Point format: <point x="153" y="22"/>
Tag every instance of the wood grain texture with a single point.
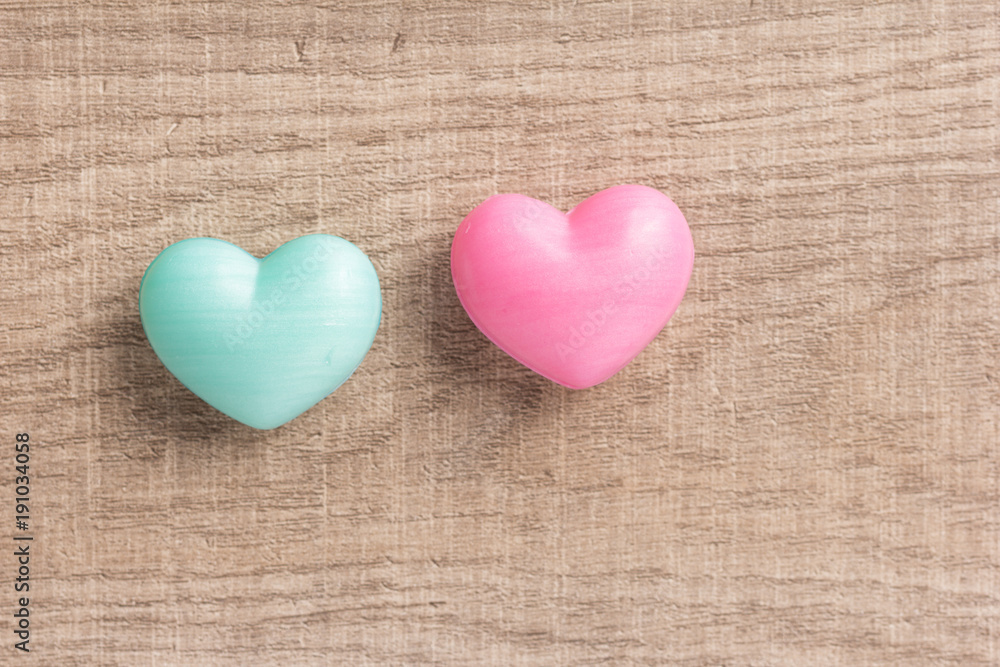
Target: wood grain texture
<point x="802" y="469"/>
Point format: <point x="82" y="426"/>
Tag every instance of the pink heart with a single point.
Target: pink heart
<point x="573" y="296"/>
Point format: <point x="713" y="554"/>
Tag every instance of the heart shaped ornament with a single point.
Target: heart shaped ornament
<point x="573" y="296"/>
<point x="261" y="340"/>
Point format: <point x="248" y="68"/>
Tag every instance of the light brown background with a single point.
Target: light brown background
<point x="802" y="469"/>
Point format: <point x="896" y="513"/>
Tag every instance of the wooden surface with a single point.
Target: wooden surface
<point x="802" y="469"/>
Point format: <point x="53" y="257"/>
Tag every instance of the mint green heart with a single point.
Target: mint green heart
<point x="261" y="340"/>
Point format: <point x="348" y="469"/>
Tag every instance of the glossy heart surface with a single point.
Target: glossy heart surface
<point x="573" y="296"/>
<point x="261" y="340"/>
